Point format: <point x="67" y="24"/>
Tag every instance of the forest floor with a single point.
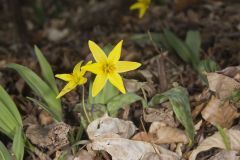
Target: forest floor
<point x="62" y="31"/>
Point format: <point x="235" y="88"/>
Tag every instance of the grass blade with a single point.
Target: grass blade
<point x="40" y="88"/>
<point x="193" y="41"/>
<point x="46" y="69"/>
<point x="224" y="137"/>
<point x="4" y="154"/>
<point x="18" y="144"/>
<point x="8" y="102"/>
<point x="178" y="45"/>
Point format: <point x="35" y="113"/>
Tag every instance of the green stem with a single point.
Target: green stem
<point x="84" y="107"/>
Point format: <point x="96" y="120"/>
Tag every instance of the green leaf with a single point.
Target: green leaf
<point x="178" y="98"/>
<point x="7" y="121"/>
<point x="121" y="101"/>
<point x="46" y="69"/>
<point x="179" y="46"/>
<point x="45" y="107"/>
<point x="206" y="66"/>
<point x="158" y="38"/>
<point x="4" y="154"/>
<point x="193" y="41"/>
<point x="18" y="144"/>
<point x="40" y="88"/>
<point x="105" y="95"/>
<point x="8" y="102"/>
<point x="10" y="117"/>
<point x="224" y="137"/>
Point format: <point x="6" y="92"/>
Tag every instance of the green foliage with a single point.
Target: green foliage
<point x="224" y="137"/>
<point x="235" y="96"/>
<point x="188" y="51"/>
<point x="18" y="144"/>
<point x="46" y="69"/>
<point x="17" y="148"/>
<point x="206" y="66"/>
<point x="10" y="117"/>
<point x="121" y="101"/>
<point x="4" y="154"/>
<point x="179" y="46"/>
<point x="46" y="88"/>
<point x="178" y="97"/>
<point x="105" y="95"/>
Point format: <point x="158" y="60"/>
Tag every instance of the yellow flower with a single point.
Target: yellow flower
<point x="108" y="68"/>
<point x="142" y="5"/>
<point x="73" y="79"/>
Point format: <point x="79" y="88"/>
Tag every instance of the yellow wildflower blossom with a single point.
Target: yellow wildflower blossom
<point x="142" y="5"/>
<point x="73" y="79"/>
<point x="108" y="68"/>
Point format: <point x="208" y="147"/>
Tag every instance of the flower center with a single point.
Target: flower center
<point x="108" y="68"/>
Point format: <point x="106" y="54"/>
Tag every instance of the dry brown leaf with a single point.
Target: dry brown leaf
<point x="215" y="112"/>
<point x="51" y="136"/>
<point x="110" y="127"/>
<point x="232" y="71"/>
<point x="124" y="149"/>
<point x="84" y="155"/>
<point x="159" y="133"/>
<point x="163" y="114"/>
<point x="222" y="155"/>
<point x="143" y="136"/>
<point x="222" y="85"/>
<point x="165" y="134"/>
<point x="216" y="141"/>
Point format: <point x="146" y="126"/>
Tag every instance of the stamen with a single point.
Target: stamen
<point x="108" y="68"/>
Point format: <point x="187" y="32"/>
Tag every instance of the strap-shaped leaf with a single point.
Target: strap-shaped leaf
<point x="18" y="144"/>
<point x="45" y="107"/>
<point x="121" y="101"/>
<point x="178" y="45"/>
<point x="193" y="41"/>
<point x="178" y="98"/>
<point x="4" y="154"/>
<point x="7" y="121"/>
<point x="10" y="105"/>
<point x="40" y="88"/>
<point x="46" y="69"/>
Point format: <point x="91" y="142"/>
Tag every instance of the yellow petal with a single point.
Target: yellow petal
<point x="82" y="81"/>
<point x="137" y="5"/>
<point x="95" y="68"/>
<point x="98" y="84"/>
<point x="65" y="77"/>
<point x="77" y="69"/>
<point x="71" y="85"/>
<point x="115" y="54"/>
<point x="117" y="81"/>
<point x="125" y="66"/>
<point x="142" y="12"/>
<point x="84" y="71"/>
<point x="97" y="52"/>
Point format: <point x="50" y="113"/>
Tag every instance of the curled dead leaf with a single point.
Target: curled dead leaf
<point x="110" y="127"/>
<point x="231" y="155"/>
<point x="215" y="112"/>
<point x="166" y="134"/>
<point x="51" y="136"/>
<point x="232" y="71"/>
<point x="159" y="133"/>
<point x="163" y="114"/>
<point x="216" y="141"/>
<point x="124" y="149"/>
<point x="222" y="85"/>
